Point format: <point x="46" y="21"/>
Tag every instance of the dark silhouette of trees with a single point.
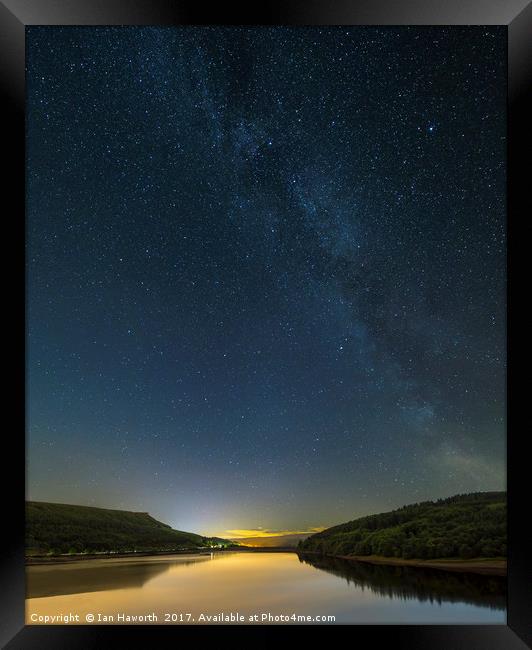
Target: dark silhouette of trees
<point x="465" y="526"/>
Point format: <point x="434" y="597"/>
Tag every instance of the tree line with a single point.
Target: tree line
<point x="465" y="526"/>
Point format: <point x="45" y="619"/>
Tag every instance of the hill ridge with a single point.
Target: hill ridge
<point x="465" y="525"/>
<point x="58" y="528"/>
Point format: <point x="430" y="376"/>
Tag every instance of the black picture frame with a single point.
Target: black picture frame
<point x="15" y="15"/>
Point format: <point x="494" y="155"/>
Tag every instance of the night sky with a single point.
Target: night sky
<point x="266" y="270"/>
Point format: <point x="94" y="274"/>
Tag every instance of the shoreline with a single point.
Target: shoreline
<point x="36" y="560"/>
<point x="496" y="567"/>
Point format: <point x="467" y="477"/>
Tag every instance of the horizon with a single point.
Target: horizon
<point x="266" y="271"/>
<point x="253" y="537"/>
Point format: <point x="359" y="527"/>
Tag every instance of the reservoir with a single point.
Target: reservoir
<point x="256" y="588"/>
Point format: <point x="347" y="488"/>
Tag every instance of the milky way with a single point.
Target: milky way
<point x="266" y="270"/>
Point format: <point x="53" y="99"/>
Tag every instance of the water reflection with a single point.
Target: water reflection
<point x="408" y="583"/>
<point x="253" y="584"/>
<point x="98" y="575"/>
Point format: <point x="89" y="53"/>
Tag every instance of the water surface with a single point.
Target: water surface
<point x="181" y="589"/>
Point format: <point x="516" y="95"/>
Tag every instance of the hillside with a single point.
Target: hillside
<point x="464" y="526"/>
<point x="57" y="528"/>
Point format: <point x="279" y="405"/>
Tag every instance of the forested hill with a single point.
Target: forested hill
<point x="60" y="528"/>
<point x="464" y="526"/>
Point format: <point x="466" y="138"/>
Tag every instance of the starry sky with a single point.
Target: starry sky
<point x="266" y="270"/>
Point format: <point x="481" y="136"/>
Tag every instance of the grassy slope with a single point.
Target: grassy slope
<point x="464" y="526"/>
<point x="62" y="528"/>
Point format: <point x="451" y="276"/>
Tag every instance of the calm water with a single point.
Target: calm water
<point x="179" y="589"/>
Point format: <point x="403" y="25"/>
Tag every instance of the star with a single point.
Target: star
<point x="240" y="242"/>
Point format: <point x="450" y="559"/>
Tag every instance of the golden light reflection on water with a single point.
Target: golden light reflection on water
<point x="179" y="589"/>
<point x="233" y="582"/>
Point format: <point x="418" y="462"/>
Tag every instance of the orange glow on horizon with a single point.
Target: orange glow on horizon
<point x="244" y="533"/>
